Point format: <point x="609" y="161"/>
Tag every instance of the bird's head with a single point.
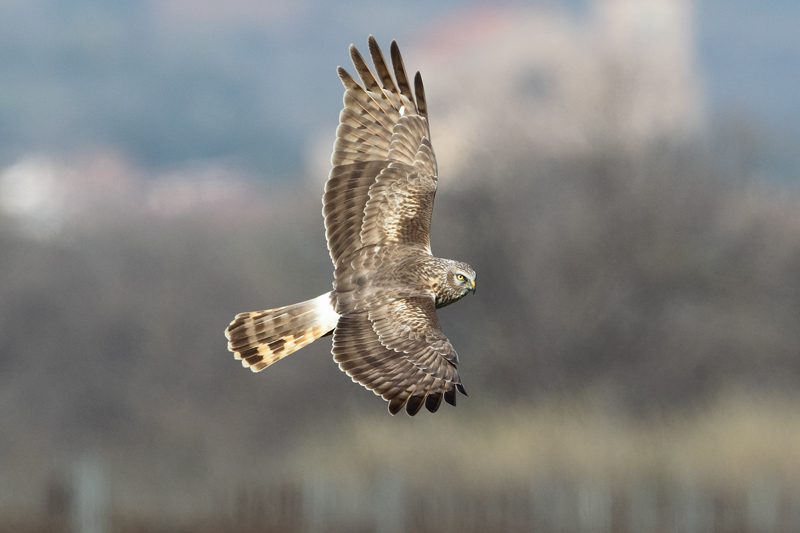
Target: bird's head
<point x="459" y="280"/>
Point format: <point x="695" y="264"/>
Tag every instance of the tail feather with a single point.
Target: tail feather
<point x="261" y="338"/>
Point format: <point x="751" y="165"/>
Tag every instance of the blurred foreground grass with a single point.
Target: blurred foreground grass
<point x="724" y="443"/>
<point x="570" y="464"/>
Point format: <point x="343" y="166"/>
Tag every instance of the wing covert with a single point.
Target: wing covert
<point x="397" y="350"/>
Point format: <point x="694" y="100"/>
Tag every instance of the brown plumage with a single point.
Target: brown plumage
<point x="387" y="286"/>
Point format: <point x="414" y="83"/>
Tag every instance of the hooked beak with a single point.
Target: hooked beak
<point x="473" y="287"/>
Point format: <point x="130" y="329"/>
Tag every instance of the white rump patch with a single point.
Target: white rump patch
<point x="325" y="311"/>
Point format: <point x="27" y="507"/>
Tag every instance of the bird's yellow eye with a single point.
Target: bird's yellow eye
<point x="460" y="277"/>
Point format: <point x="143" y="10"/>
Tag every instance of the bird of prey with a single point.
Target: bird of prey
<point x="387" y="285"/>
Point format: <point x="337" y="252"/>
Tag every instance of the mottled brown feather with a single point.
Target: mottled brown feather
<point x="399" y="208"/>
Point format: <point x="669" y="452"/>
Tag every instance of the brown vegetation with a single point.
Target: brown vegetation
<point x="645" y="282"/>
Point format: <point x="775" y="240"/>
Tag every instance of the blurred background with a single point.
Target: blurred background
<point x="624" y="175"/>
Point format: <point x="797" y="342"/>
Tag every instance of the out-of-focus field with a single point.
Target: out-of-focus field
<point x="631" y="358"/>
<point x="580" y="465"/>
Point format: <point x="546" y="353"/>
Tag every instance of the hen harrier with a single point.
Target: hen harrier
<point x="387" y="286"/>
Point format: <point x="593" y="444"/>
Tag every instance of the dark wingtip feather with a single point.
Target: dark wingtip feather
<point x="419" y="91"/>
<point x="461" y="389"/>
<point x="400" y="72"/>
<point x="433" y="401"/>
<point x="450" y="396"/>
<point x="414" y="404"/>
<point x="395" y="405"/>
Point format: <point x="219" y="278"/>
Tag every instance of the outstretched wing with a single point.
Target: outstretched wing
<point x="396" y="349"/>
<point x="381" y="188"/>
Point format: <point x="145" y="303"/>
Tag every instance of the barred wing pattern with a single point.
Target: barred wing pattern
<point x="410" y="368"/>
<point x="378" y="204"/>
<point x="381" y="188"/>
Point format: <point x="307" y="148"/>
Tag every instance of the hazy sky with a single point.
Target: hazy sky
<point x="174" y="80"/>
<point x="750" y="52"/>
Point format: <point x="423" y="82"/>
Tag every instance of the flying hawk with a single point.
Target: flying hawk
<point x="387" y="285"/>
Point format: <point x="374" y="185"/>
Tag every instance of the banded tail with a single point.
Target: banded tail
<point x="261" y="338"/>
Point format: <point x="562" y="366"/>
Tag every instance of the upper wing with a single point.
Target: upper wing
<point x="382" y="185"/>
<point x="396" y="349"/>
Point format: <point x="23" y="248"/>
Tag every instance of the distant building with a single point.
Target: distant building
<point x="623" y="72"/>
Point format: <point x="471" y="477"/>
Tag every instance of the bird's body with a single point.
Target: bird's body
<point x="387" y="285"/>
